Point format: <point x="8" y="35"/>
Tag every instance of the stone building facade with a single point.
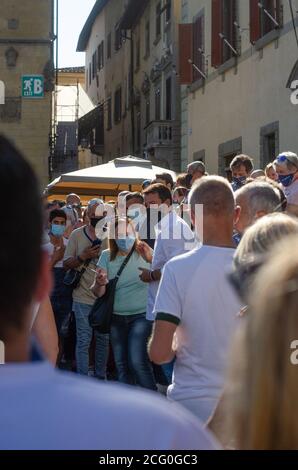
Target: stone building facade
<point x="26" y="48"/>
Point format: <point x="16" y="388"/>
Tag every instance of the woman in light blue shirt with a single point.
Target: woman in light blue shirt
<point x="130" y="331"/>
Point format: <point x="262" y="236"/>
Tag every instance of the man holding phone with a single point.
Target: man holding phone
<point x="82" y="253"/>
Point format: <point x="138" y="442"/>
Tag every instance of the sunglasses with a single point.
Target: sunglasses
<point x="283" y="159"/>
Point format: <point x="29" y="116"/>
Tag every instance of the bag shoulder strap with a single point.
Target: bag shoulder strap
<point x="124" y="264"/>
<point x="86" y="234"/>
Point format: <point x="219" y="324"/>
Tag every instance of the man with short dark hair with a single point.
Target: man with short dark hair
<point x="196" y="304"/>
<point x="41" y="408"/>
<point x="61" y="298"/>
<point x="166" y="179"/>
<point x="241" y="167"/>
<point x="196" y="170"/>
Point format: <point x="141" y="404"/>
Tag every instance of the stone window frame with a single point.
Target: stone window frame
<point x="268" y="129"/>
<point x="227" y="148"/>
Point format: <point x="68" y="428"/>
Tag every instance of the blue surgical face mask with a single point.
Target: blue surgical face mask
<point x="57" y="230"/>
<point x="240" y="180"/>
<point x="125" y="244"/>
<point x="286" y="180"/>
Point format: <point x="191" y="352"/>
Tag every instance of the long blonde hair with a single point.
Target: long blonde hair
<point x="262" y="388"/>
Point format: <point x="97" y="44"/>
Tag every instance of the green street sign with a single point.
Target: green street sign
<point x="32" y="86"/>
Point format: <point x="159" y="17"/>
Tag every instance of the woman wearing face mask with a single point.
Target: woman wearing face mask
<point x="130" y="330"/>
<point x="287" y="169"/>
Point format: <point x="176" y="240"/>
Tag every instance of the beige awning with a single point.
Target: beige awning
<point x="106" y="181"/>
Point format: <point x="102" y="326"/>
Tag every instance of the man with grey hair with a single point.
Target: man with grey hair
<point x="256" y="199"/>
<point x="196" y="305"/>
<point x="196" y="170"/>
<point x="82" y="254"/>
<point x="286" y="166"/>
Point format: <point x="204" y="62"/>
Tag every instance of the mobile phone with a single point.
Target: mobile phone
<point x="96" y="243"/>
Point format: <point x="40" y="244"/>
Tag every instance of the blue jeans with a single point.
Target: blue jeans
<point x="129" y="338"/>
<point x="84" y="337"/>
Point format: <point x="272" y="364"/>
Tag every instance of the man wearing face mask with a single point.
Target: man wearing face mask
<point x="61" y="298"/>
<point x="82" y="253"/>
<point x="241" y="168"/>
<point x="287" y="169"/>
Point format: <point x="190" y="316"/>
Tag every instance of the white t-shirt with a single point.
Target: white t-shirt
<point x="196" y="291"/>
<point x="43" y="409"/>
<point x="49" y="247"/>
<point x="173" y="237"/>
<point x="291" y="193"/>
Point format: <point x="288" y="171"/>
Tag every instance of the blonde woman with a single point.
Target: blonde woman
<point x="270" y="172"/>
<point x="130" y="330"/>
<point x="263" y="383"/>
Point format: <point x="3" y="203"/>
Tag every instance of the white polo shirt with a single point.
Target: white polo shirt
<point x="196" y="294"/>
<point x="44" y="409"/>
<point x="173" y="237"/>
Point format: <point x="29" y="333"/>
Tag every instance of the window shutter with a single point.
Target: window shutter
<point x="217" y="28"/>
<point x="185" y="53"/>
<point x="255" y="21"/>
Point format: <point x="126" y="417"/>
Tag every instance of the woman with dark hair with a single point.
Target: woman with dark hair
<point x="130" y="330"/>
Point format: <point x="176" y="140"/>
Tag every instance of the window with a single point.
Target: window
<point x="229" y="29"/>
<point x="269" y="143"/>
<point x="118" y="39"/>
<point x="138" y="131"/>
<point x="93" y="65"/>
<point x="109" y="46"/>
<point x="158" y="21"/>
<point x="260" y="21"/>
<point x="198" y="48"/>
<point x="224" y="31"/>
<point x="157" y="104"/>
<point x="271" y="148"/>
<point x="100" y="56"/>
<point x="138" y="53"/>
<point x="109" y="113"/>
<point x="169" y="99"/>
<point x="147" y="39"/>
<point x="118" y="105"/>
<point x="147" y="105"/>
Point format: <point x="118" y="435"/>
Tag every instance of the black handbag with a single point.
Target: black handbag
<point x="100" y="316"/>
<point x="73" y="277"/>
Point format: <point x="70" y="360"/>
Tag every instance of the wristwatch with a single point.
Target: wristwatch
<point x="80" y="259"/>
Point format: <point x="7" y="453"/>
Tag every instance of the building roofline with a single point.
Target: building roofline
<point x="86" y="31"/>
<point x="133" y="11"/>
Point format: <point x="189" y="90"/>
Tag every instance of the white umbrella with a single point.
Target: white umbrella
<point x="127" y="173"/>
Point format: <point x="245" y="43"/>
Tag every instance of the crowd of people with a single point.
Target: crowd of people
<point x="204" y="311"/>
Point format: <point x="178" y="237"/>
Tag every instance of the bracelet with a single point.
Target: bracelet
<point x="151" y="276"/>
